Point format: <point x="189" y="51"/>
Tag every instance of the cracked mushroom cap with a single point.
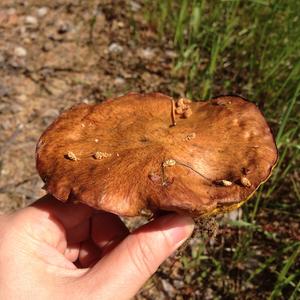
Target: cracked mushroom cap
<point x="146" y="152"/>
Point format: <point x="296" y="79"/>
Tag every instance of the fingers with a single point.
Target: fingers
<point x="69" y="214"/>
<point x="79" y="233"/>
<point x="128" y="266"/>
<point x="75" y="230"/>
<point x="51" y="221"/>
<point x="72" y="252"/>
<point x="106" y="232"/>
<point x="89" y="254"/>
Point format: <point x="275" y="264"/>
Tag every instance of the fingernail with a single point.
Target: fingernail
<point x="178" y="228"/>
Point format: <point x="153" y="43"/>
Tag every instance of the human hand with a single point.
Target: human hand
<point x="52" y="250"/>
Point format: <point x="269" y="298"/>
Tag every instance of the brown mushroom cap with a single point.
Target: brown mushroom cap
<point x="126" y="155"/>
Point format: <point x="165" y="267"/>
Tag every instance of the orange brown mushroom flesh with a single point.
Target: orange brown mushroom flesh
<point x="146" y="152"/>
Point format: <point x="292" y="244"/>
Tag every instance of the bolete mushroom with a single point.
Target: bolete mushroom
<point x="147" y="152"/>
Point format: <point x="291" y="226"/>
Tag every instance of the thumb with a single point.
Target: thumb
<point x="122" y="272"/>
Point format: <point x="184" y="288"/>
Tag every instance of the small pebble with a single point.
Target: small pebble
<point x="63" y="27"/>
<point x="47" y="46"/>
<point x="135" y="6"/>
<point x="31" y="21"/>
<point x="42" y="11"/>
<point x="178" y="284"/>
<point x="147" y="53"/>
<point x="168" y="288"/>
<point x="20" y="52"/>
<point x="119" y="81"/>
<point x="115" y="48"/>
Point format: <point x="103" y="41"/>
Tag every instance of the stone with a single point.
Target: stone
<point x="119" y="81"/>
<point x="115" y="48"/>
<point x="147" y="53"/>
<point x="31" y="21"/>
<point x="42" y="11"/>
<point x="168" y="288"/>
<point x="47" y="46"/>
<point x="63" y="27"/>
<point x="20" y="51"/>
<point x="178" y="284"/>
<point x="135" y="6"/>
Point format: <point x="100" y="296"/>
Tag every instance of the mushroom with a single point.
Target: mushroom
<point x="146" y="152"/>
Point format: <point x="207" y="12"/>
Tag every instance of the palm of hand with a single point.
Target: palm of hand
<point x="53" y="250"/>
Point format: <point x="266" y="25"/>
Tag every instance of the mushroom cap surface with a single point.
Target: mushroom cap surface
<point x="127" y="156"/>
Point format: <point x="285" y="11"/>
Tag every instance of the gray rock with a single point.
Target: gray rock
<point x="115" y="48"/>
<point x="135" y="6"/>
<point x="168" y="288"/>
<point x="178" y="284"/>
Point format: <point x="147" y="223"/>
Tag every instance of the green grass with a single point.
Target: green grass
<point x="250" y="48"/>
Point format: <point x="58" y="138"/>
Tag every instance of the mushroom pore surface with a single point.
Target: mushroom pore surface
<point x="147" y="152"/>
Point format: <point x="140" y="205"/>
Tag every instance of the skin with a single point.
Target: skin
<point x="52" y="250"/>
